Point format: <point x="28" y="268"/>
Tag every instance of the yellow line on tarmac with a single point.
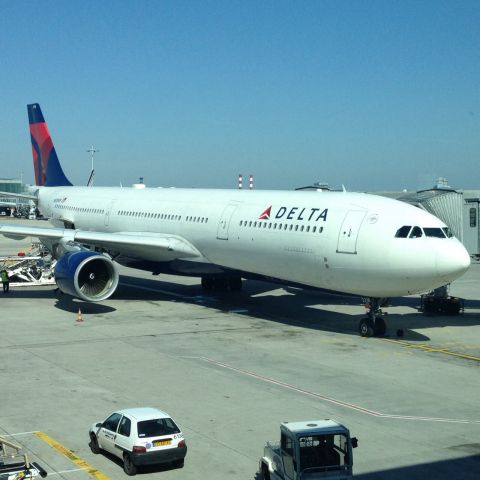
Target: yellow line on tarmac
<point x="93" y="472"/>
<point x="427" y="348"/>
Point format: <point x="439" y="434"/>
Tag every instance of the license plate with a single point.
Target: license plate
<point x="161" y="443"/>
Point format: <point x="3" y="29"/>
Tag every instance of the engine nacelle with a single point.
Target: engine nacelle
<point x="87" y="275"/>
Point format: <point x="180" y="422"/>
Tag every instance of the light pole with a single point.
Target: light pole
<point x="92" y="152"/>
<point x="92" y="173"/>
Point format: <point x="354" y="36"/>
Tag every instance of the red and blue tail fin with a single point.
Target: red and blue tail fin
<point x="48" y="171"/>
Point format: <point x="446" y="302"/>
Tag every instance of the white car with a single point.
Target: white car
<point x="139" y="436"/>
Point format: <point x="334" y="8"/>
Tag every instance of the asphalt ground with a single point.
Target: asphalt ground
<point x="229" y="367"/>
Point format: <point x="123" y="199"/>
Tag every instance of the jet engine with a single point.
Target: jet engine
<point x="87" y="275"/>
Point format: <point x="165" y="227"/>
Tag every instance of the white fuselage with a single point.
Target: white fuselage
<point x="338" y="241"/>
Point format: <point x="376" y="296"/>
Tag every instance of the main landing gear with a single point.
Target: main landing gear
<point x="373" y="324"/>
<point x="222" y="283"/>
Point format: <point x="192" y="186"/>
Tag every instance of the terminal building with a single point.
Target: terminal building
<point x="10" y="204"/>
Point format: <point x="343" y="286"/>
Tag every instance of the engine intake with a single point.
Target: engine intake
<point x="87" y="275"/>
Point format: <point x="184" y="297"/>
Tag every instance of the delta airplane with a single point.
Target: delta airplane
<point x="352" y="243"/>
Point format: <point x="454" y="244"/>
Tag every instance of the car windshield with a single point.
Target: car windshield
<point x="157" y="427"/>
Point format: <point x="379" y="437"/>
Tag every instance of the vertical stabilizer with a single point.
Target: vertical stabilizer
<point x="48" y="171"/>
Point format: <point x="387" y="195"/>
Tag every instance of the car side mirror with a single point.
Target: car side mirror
<point x="354" y="442"/>
<point x="99" y="424"/>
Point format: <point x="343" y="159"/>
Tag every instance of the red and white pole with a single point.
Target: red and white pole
<point x="240" y="181"/>
<point x="251" y="182"/>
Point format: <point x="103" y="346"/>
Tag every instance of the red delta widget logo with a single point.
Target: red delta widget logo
<point x="295" y="213"/>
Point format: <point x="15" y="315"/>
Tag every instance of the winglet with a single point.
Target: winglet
<point x="48" y="171"/>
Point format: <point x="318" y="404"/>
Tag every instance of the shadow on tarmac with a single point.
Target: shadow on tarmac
<point x="305" y="308"/>
<point x="71" y="305"/>
<point x="260" y="300"/>
<point x="143" y="470"/>
<point x="464" y="468"/>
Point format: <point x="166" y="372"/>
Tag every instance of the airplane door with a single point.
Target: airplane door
<point x="347" y="237"/>
<point x="224" y="223"/>
<point x="107" y="213"/>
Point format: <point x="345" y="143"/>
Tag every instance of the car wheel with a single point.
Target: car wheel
<point x="128" y="466"/>
<point x="94" y="444"/>
<point x="179" y="463"/>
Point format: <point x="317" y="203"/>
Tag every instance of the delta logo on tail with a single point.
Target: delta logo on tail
<point x="296" y="213"/>
<point x="48" y="171"/>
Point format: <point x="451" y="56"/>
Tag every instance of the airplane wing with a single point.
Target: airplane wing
<point x="155" y="246"/>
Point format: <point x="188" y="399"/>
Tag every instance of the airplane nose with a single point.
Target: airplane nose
<point x="452" y="262"/>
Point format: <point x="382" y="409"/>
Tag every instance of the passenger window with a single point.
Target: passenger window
<point x="416" y="232"/>
<point x="125" y="426"/>
<point x="287" y="454"/>
<point x="111" y="423"/>
<point x="403" y="231"/>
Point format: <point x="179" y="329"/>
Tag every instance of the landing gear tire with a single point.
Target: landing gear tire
<point x="365" y="327"/>
<point x="128" y="466"/>
<point x="380" y="327"/>
<point x="374" y="324"/>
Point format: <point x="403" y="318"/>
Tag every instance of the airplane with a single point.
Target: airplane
<point x="352" y="243"/>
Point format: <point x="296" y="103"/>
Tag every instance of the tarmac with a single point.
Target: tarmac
<point x="229" y="367"/>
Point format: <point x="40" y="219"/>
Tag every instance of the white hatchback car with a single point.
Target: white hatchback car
<point x="139" y="436"/>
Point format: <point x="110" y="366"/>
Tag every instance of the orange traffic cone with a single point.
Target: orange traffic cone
<point x="79" y="316"/>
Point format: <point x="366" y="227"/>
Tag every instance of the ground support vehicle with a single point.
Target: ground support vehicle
<point x="309" y="450"/>
<point x="438" y="302"/>
<point x="32" y="268"/>
<point x="15" y="465"/>
<point x="139" y="436"/>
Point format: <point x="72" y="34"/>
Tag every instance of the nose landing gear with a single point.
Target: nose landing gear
<point x="373" y="324"/>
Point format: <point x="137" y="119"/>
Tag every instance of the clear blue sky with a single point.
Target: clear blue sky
<point x="371" y="94"/>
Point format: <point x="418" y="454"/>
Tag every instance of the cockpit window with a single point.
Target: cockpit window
<point x="402" y="232"/>
<point x="434" y="232"/>
<point x="447" y="232"/>
<point x="415" y="233"/>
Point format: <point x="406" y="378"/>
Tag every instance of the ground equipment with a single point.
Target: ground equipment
<point x="314" y="449"/>
<point x="15" y="465"/>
